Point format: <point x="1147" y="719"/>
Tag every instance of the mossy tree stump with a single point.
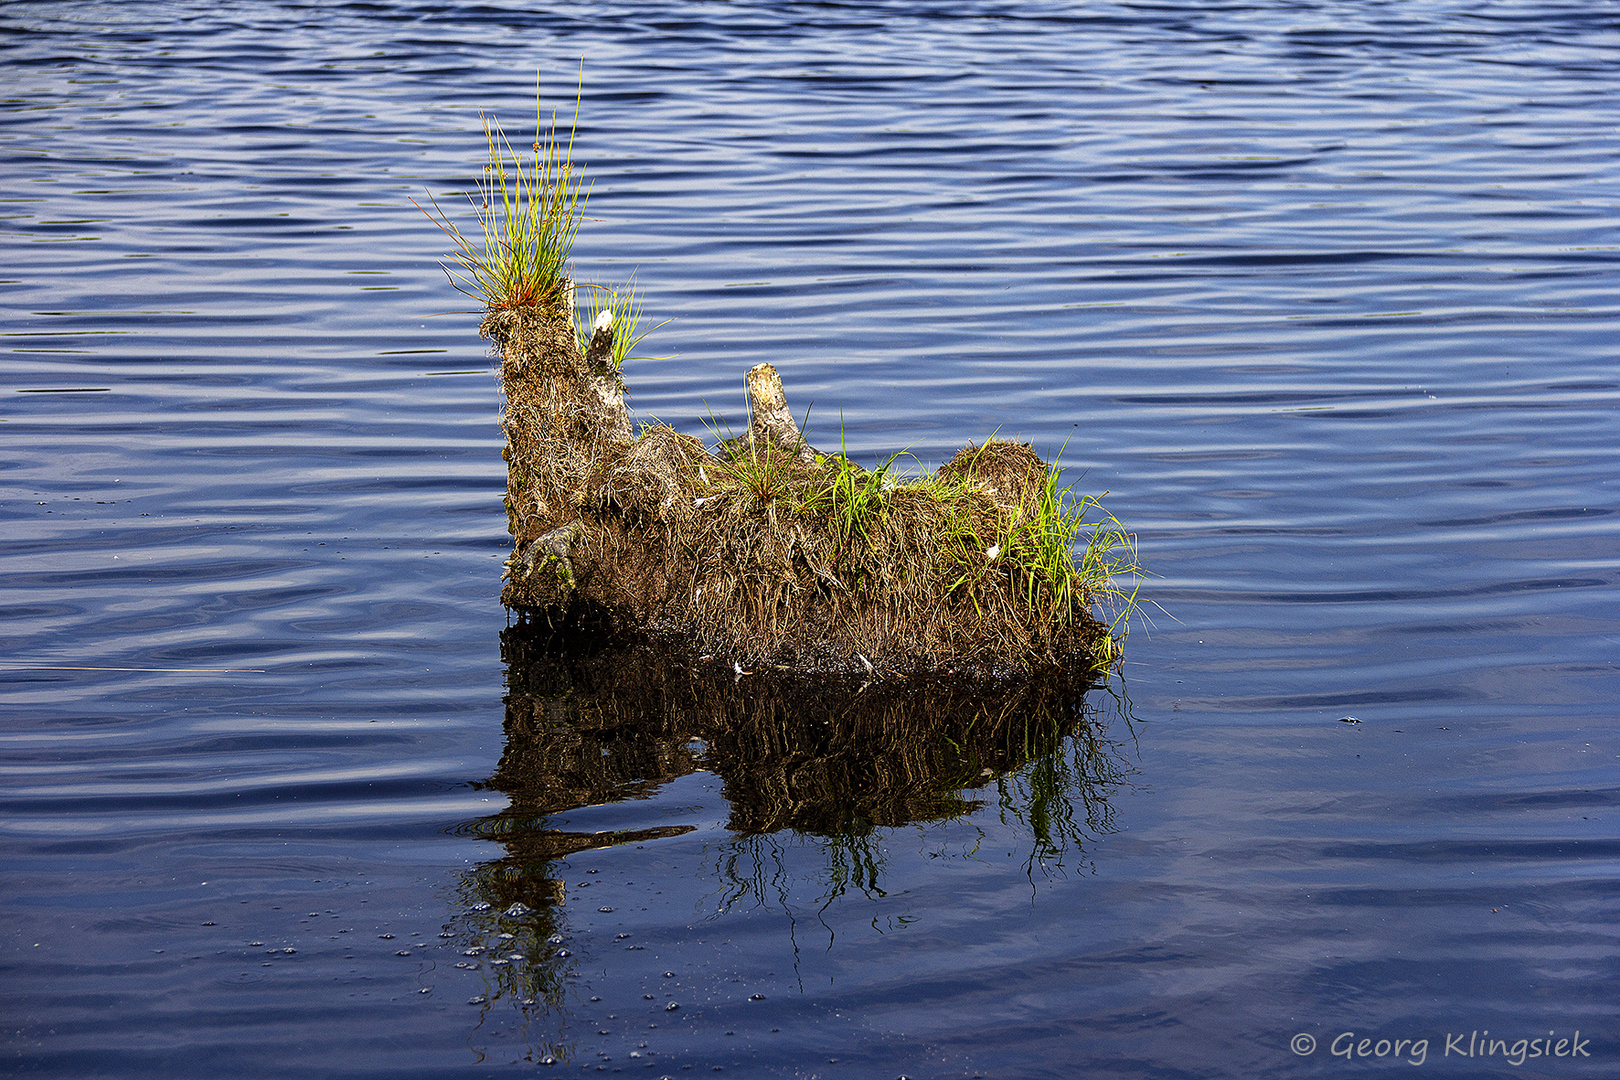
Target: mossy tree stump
<point x="768" y="552"/>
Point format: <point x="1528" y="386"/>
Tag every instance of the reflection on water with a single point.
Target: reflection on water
<point x="516" y="949"/>
<point x="594" y="718"/>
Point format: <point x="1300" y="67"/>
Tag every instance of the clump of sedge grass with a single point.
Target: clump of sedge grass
<point x="624" y="307"/>
<point x="528" y="213"/>
<point x="851" y="497"/>
<point x="1108" y="564"/>
<point x="1041" y="548"/>
<point x="766" y="471"/>
<point x="1036" y="547"/>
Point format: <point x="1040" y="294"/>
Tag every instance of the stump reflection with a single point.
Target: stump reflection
<point x="593" y="718"/>
<point x="825" y="761"/>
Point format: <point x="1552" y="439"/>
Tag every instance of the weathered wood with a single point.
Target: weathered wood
<point x="770" y="422"/>
<point x="603" y="380"/>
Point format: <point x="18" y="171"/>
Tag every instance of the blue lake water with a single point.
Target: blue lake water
<point x="1323" y="295"/>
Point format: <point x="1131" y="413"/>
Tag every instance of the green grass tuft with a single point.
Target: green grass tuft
<point x="624" y="306"/>
<point x="851" y="497"/>
<point x="528" y="213"/>
<point x="764" y="472"/>
<point x="1107" y="567"/>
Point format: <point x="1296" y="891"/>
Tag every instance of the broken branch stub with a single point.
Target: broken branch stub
<point x="770" y="422"/>
<point x="599" y="353"/>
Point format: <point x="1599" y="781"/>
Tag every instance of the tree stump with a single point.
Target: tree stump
<point x="767" y="551"/>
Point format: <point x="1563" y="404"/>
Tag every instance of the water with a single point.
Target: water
<point x="1321" y="294"/>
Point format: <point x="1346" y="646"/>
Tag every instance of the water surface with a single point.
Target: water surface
<point x="1320" y="293"/>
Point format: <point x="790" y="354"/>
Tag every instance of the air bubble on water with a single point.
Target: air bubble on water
<point x="620" y="937"/>
<point x="403" y="952"/>
<point x="564" y="952"/>
<point x="474" y="951"/>
<point x="604" y="910"/>
<point x="425" y="990"/>
<point x="554" y="939"/>
<point x="672" y="1006"/>
<point x="386" y="937"/>
<point x="255" y="944"/>
<point x="289" y="951"/>
<point x="756" y="997"/>
<point x="448" y="933"/>
<point x="518" y="910"/>
<point x="647" y="997"/>
<point x="499" y="963"/>
<point x="508" y="937"/>
<point x="669" y="974"/>
<point x="479" y="1000"/>
<point x="481" y="906"/>
<point x="514" y="956"/>
<point x="527" y="1001"/>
